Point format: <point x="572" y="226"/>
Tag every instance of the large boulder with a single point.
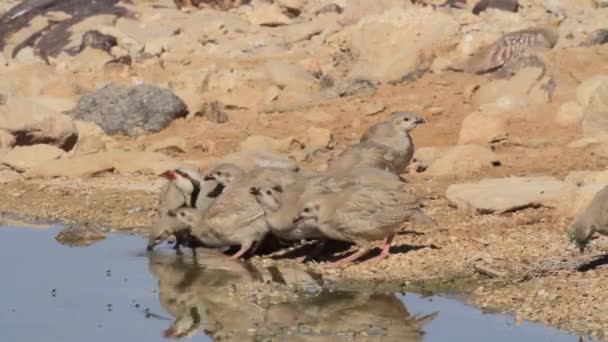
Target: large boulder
<point x="86" y="165"/>
<point x="30" y="123"/>
<point x="595" y="121"/>
<point x="22" y="158"/>
<point x="462" y="161"/>
<point x="500" y="195"/>
<point x="526" y="87"/>
<point x="130" y="110"/>
<point x="398" y="43"/>
<point x="484" y="126"/>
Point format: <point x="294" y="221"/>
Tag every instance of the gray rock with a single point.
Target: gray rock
<point x="130" y="110"/>
<point x="500" y="195"/>
<point x="597" y="37"/>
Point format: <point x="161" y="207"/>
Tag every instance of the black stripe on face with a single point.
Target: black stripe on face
<point x="196" y="190"/>
<point x="216" y="191"/>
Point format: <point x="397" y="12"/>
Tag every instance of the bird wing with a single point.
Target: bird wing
<point x="233" y="209"/>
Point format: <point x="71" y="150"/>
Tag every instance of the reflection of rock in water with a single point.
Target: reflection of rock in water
<point x="238" y="302"/>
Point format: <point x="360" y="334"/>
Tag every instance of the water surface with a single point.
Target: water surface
<point x="114" y="291"/>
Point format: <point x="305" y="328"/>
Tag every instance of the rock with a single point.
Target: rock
<point x="7" y="140"/>
<point x="583" y="185"/>
<point x="595" y="121"/>
<point x="79" y="236"/>
<point x="484" y="126"/>
<point x="171" y="145"/>
<point x="318" y="139"/>
<point x="88" y="165"/>
<point x="328" y="8"/>
<point x="292" y="8"/>
<point x="397" y="45"/>
<point x="577" y="199"/>
<point x="97" y="40"/>
<point x="27" y="56"/>
<point x="292" y="76"/>
<point x="371" y="108"/>
<point x="265" y="14"/>
<point x="156" y="47"/>
<point x="463" y="161"/>
<point x="318" y="116"/>
<point x="355" y="10"/>
<point x="587" y="89"/>
<point x="500" y="195"/>
<point x="512" y="93"/>
<point x="504" y="5"/>
<point x="22" y="158"/>
<point x="248" y="160"/>
<point x="91" y="138"/>
<point x="424" y="157"/>
<point x="130" y="110"/>
<point x="260" y="143"/>
<point x="31" y="123"/>
<point x="214" y="111"/>
<point x="597" y="37"/>
<point x="569" y="114"/>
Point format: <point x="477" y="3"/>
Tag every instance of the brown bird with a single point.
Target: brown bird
<point x="511" y="46"/>
<point x="386" y="145"/>
<point x="360" y="214"/>
<point x="593" y="220"/>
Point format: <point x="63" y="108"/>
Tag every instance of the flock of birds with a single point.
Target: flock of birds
<point x="360" y="198"/>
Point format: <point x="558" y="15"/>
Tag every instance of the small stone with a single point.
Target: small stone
<point x="569" y="114"/>
<point x="371" y="108"/>
<point x="80" y="236"/>
<point x="171" y="145"/>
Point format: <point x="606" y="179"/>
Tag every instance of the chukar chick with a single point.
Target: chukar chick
<point x="360" y="214"/>
<point x="227" y="223"/>
<point x="395" y="133"/>
<point x="593" y="219"/>
<point x="366" y="154"/>
<point x="281" y="205"/>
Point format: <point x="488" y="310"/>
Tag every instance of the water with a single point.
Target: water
<point x="113" y="291"/>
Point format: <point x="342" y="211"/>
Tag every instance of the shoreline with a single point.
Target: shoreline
<point x="418" y="259"/>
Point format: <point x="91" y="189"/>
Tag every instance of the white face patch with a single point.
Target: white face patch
<point x="183" y="184"/>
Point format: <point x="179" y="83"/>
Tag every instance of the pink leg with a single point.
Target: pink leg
<point x="241" y="251"/>
<point x="346" y="261"/>
<point x="256" y="245"/>
<point x="385" y="249"/>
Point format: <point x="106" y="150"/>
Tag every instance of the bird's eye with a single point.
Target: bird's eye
<point x="268" y="192"/>
<point x="306" y="210"/>
<point x="219" y="173"/>
<point x="182" y="214"/>
<point x="406" y="119"/>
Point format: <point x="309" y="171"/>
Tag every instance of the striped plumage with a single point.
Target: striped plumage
<point x="508" y="47"/>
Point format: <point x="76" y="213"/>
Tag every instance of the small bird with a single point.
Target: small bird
<point x="184" y="188"/>
<point x="593" y="219"/>
<point x="360" y="214"/>
<point x="509" y="47"/>
<point x="395" y="134"/>
<point x="366" y="154"/>
<point x="235" y="217"/>
<point x="226" y="226"/>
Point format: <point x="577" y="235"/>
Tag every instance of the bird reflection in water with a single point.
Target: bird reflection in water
<point x="223" y="299"/>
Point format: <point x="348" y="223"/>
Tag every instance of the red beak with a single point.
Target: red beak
<point x="170" y="175"/>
